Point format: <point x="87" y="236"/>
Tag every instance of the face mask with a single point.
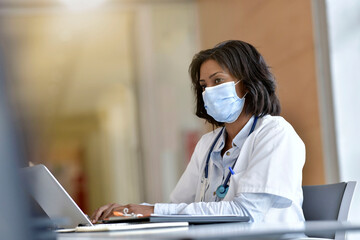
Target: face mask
<point x="222" y="102"/>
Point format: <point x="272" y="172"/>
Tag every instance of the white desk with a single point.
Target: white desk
<point x="221" y="231"/>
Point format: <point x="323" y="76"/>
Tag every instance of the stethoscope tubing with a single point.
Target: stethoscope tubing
<point x="212" y="148"/>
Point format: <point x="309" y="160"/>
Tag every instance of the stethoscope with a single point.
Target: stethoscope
<point x="222" y="190"/>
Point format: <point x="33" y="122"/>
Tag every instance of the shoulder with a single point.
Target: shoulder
<point x="276" y="127"/>
<point x="274" y="123"/>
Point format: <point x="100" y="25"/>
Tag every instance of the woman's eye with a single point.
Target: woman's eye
<point x="218" y="80"/>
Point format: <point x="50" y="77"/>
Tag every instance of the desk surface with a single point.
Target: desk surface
<point x="223" y="231"/>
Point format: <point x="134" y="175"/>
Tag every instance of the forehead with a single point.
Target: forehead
<point x="209" y="67"/>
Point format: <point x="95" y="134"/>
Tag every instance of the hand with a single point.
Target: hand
<point x="108" y="210"/>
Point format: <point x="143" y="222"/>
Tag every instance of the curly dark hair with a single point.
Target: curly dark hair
<point x="245" y="63"/>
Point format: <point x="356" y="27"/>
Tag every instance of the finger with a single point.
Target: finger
<point x="109" y="212"/>
<point x="93" y="214"/>
<point x="97" y="214"/>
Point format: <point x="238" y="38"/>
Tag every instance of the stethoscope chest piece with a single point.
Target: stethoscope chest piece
<point x="221" y="191"/>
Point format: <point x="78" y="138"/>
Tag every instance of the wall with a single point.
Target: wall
<point x="165" y="43"/>
<point x="73" y="77"/>
<point x="282" y="31"/>
<point x="106" y="94"/>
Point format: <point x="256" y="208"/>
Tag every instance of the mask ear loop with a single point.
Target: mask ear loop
<point x="237" y="83"/>
<point x="244" y="95"/>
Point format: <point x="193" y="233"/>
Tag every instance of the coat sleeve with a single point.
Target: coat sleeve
<point x="253" y="205"/>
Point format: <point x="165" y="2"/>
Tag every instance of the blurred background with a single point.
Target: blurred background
<point x="104" y="96"/>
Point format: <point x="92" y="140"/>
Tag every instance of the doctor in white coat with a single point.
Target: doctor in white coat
<point x="251" y="164"/>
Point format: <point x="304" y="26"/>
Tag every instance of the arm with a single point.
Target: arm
<point x="253" y="205"/>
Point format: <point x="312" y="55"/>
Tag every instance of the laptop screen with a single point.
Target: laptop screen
<point x="53" y="198"/>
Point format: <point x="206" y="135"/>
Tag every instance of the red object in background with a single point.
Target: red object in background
<point x="81" y="193"/>
<point x="191" y="139"/>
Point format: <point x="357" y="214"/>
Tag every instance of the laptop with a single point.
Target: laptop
<point x="53" y="198"/>
<point x="59" y="206"/>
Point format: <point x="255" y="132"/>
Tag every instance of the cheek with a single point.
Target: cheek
<point x="239" y="91"/>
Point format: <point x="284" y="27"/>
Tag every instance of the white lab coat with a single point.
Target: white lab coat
<point x="270" y="161"/>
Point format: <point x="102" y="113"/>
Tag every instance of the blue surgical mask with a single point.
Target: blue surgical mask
<point x="222" y="102"/>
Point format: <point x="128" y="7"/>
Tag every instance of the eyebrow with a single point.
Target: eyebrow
<point x="202" y="80"/>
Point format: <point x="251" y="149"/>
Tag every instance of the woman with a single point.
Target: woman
<point x="251" y="165"/>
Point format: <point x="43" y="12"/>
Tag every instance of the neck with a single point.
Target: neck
<point x="232" y="129"/>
